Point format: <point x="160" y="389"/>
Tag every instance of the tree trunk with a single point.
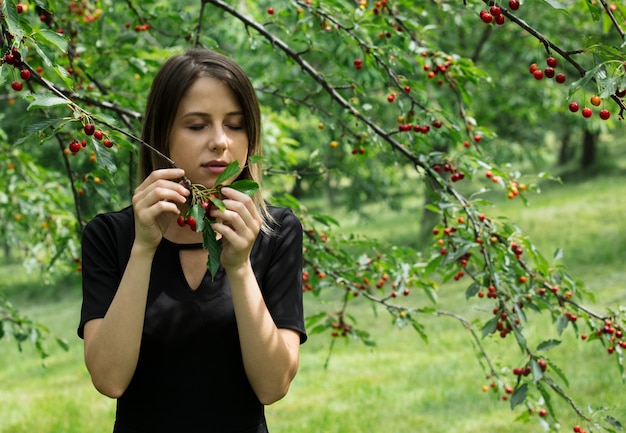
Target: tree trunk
<point x="590" y="141"/>
<point x="564" y="152"/>
<point x="7" y="252"/>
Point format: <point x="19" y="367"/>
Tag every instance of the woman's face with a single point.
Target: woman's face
<point x="208" y="132"/>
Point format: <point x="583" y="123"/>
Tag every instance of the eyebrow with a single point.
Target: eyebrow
<point x="202" y="114"/>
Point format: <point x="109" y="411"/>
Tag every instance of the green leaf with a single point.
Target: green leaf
<point x="318" y="329"/>
<point x="230" y="171"/>
<point x="519" y="396"/>
<point x="615" y="423"/>
<point x="556" y="5"/>
<point x="38" y="127"/>
<point x="536" y="370"/>
<point x="561" y="324"/>
<point x="326" y="220"/>
<point x="548" y="344"/>
<point x="456" y="255"/>
<point x="312" y="320"/>
<point x="594" y="10"/>
<point x="547" y="399"/>
<point x="212" y="245"/>
<point x="54" y="38"/>
<point x="490" y="327"/>
<point x="555" y="368"/>
<point x="248" y="187"/>
<point x="46" y="101"/>
<point x="44" y="57"/>
<point x="104" y="159"/>
<point x="218" y="203"/>
<point x="419" y="328"/>
<point x="63" y="343"/>
<point x="472" y="290"/>
<point x="10" y="16"/>
<point x="197" y="213"/>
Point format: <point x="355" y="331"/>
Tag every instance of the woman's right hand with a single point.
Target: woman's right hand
<point x="156" y="205"/>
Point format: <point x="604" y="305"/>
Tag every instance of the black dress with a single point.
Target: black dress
<point x="190" y="375"/>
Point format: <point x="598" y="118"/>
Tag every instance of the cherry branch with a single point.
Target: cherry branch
<point x="85" y="114"/>
<point x="613" y="19"/>
<point x="567" y="55"/>
<point x="70" y="175"/>
<point x="319" y="78"/>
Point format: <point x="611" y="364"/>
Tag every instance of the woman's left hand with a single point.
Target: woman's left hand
<point x="239" y="224"/>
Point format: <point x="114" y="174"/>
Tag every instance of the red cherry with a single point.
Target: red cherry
<point x="358" y="63"/>
<point x="25" y="74"/>
<point x="74" y="146"/>
<point x="560" y="78"/>
<point x="573" y="107"/>
<point x="543" y="412"/>
<point x="495" y="11"/>
<point x="549" y="72"/>
<point x="595" y="100"/>
<point x="514" y="4"/>
<point x="551" y="61"/>
<point x="17" y="85"/>
<point x="181" y="221"/>
<point x="538" y="74"/>
<point x="107" y="143"/>
<point x="587" y="113"/>
<point x="89" y="128"/>
<point x="98" y="135"/>
<point x="533" y="68"/>
<point x="192" y="223"/>
<point x="270" y="11"/>
<point x="499" y="19"/>
<point x="20" y="8"/>
<point x="605" y="114"/>
<point x="486" y="17"/>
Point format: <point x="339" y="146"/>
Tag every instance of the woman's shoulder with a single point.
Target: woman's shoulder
<point x="120" y="221"/>
<point x="282" y="216"/>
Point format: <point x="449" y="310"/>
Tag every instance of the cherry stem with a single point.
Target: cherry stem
<point x="75" y="107"/>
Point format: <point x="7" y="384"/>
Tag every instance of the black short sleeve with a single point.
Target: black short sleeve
<point x="277" y="260"/>
<point x="106" y="244"/>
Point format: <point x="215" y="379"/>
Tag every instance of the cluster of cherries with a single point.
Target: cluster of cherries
<point x="550" y="72"/>
<point x="494" y="14"/>
<point x="14" y="58"/>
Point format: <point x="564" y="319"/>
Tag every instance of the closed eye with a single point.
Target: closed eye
<point x="197" y="127"/>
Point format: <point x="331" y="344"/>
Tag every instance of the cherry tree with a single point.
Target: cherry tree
<point x="372" y="92"/>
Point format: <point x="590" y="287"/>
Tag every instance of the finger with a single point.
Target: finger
<point x="171" y="174"/>
<point x="243" y="205"/>
<point x="231" y="193"/>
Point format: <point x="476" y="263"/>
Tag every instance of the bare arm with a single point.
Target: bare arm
<point x="270" y="355"/>
<point x="112" y="343"/>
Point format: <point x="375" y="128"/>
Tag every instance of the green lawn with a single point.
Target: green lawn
<point x="400" y="385"/>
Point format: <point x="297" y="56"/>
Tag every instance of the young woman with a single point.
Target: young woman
<point x="179" y="350"/>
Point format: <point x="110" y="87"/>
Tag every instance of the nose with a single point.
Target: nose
<point x="218" y="139"/>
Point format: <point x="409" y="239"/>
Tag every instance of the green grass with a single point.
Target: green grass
<point x="400" y="385"/>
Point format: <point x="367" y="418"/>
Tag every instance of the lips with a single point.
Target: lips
<point x="215" y="166"/>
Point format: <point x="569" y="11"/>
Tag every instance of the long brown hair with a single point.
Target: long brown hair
<point x="171" y="82"/>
